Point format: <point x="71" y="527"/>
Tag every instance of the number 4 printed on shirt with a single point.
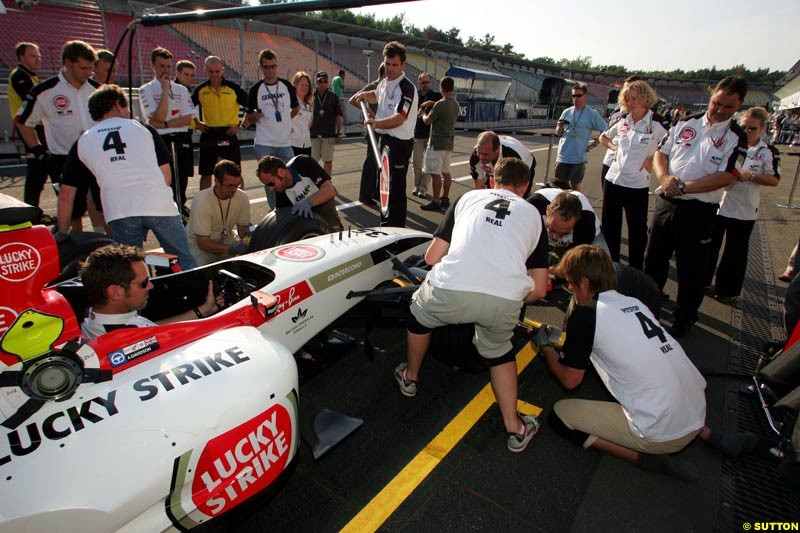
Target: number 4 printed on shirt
<point x="114" y="142"/>
<point x="500" y="208"/>
<point x="650" y="328"/>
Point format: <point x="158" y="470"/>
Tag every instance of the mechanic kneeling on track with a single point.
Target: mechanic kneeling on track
<point x="661" y="395"/>
<point x="488" y="230"/>
<point x="301" y="184"/>
<point x="116" y="281"/>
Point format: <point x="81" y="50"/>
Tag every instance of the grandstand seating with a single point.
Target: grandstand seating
<point x="436" y="67"/>
<point x="350" y="59"/>
<point x="148" y="38"/>
<point x="292" y="55"/>
<point x="54" y="25"/>
<point x="682" y="94"/>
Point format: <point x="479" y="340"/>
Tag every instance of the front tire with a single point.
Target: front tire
<point x="280" y="226"/>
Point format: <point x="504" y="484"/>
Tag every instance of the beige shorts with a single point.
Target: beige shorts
<point x="437" y="161"/>
<point x="322" y="148"/>
<point x="607" y="421"/>
<point x="494" y="318"/>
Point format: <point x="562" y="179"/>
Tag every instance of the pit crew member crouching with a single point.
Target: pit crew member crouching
<point x="662" y="403"/>
<point x="569" y="218"/>
<point x="492" y="230"/>
<point x="117" y="284"/>
<point x="215" y="211"/>
<point x="301" y="184"/>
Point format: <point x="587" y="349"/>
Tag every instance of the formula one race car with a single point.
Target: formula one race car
<point x="149" y="429"/>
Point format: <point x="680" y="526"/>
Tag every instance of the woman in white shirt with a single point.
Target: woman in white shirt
<point x="301" y="122"/>
<point x="739" y="207"/>
<point x="634" y="139"/>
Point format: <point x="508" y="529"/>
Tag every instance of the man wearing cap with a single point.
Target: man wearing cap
<point x="326" y="125"/>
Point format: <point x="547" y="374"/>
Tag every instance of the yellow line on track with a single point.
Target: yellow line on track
<point x="381" y="507"/>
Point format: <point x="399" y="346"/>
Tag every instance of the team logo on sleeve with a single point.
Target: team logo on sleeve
<point x="688" y="134"/>
<point x="406" y="108"/>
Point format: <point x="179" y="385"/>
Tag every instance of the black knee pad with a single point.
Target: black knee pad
<point x="415" y="327"/>
<point x="510" y="356"/>
<point x="572" y="435"/>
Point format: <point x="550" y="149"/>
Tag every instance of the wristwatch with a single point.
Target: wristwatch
<point x="681" y="186"/>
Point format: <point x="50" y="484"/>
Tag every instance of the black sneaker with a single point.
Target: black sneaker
<point x="431" y="206"/>
<point x="445" y="201"/>
<point x="680" y="327"/>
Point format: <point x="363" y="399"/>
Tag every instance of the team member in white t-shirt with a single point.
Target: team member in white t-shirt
<point x="394" y="123"/>
<point x="489" y="230"/>
<point x="60" y="105"/>
<point x="215" y="213"/>
<point x="130" y="164"/>
<point x="739" y="207"/>
<point x="634" y="140"/>
<point x="272" y="104"/>
<point x="662" y="404"/>
<point x="117" y="285"/>
<point x="167" y="106"/>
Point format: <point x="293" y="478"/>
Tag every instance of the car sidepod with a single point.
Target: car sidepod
<point x="173" y="441"/>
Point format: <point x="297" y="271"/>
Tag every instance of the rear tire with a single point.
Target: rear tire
<point x="75" y="251"/>
<point x="453" y="345"/>
<point x="280" y="226"/>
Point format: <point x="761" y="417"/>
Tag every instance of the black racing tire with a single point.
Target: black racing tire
<point x="280" y="226"/>
<point x="76" y="249"/>
<point x="453" y="345"/>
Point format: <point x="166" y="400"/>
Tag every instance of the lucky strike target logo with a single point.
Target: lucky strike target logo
<point x="624" y="129"/>
<point x="240" y="463"/>
<point x="688" y="134"/>
<point x="61" y="102"/>
<point x="301" y="253"/>
<point x="18" y="261"/>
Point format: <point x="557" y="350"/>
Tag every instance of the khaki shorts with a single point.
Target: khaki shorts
<point x="607" y="421"/>
<point x="494" y="318"/>
<point x="437" y="161"/>
<point x="322" y="148"/>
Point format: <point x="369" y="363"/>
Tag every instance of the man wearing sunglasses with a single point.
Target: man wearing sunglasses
<point x="130" y="164"/>
<point x="117" y="284"/>
<point x="575" y="127"/>
<point x="303" y="185"/>
<point x="272" y="102"/>
<point x="326" y="125"/>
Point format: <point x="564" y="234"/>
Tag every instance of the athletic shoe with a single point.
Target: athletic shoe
<point x="431" y="206"/>
<point x="445" y="201"/>
<point x="407" y="386"/>
<point x="517" y="442"/>
<point x="728" y="300"/>
<point x="680" y="327"/>
<point x="420" y="194"/>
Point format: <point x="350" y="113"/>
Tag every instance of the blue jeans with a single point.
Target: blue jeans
<point x="284" y="153"/>
<point x="168" y="230"/>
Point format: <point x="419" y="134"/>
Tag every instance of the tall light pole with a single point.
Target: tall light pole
<point x="368" y="54"/>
